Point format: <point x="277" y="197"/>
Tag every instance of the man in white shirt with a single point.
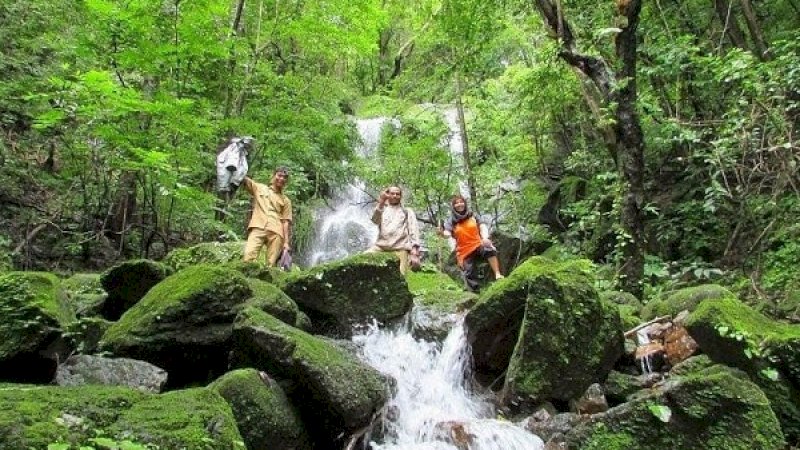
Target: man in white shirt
<point x="397" y="227"/>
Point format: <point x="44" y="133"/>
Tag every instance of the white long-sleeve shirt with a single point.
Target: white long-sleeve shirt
<point x="397" y="227"/>
<point x="231" y="166"/>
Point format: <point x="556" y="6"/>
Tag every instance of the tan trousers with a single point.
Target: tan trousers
<point x="402" y="255"/>
<point x="258" y="238"/>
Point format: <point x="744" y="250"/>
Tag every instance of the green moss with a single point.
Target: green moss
<point x="32" y="306"/>
<point x="194" y="285"/>
<point x="683" y="299"/>
<point x="438" y="291"/>
<point x="263" y="413"/>
<point x="270" y="299"/>
<point x="205" y="253"/>
<point x="83" y="291"/>
<point x="348" y="383"/>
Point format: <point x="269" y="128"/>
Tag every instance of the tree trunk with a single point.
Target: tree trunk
<point x="730" y="25"/>
<point x="624" y="138"/>
<point x="762" y="48"/>
<point x="631" y="154"/>
<point x="462" y="127"/>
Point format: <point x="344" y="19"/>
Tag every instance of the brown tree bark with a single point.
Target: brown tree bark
<point x="624" y="139"/>
<point x="462" y="127"/>
<point x="730" y="25"/>
<point x="762" y="48"/>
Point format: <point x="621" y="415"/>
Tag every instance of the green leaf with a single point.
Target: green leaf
<point x="723" y="330"/>
<point x="661" y="411"/>
<point x="59" y="446"/>
<point x="770" y="373"/>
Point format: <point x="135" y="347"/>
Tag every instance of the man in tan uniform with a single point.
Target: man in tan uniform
<point x="397" y="227"/>
<point x="271" y="223"/>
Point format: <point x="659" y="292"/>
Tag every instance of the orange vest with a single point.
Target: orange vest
<point x="467" y="234"/>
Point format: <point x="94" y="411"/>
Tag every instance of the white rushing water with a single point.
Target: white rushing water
<point x="433" y="407"/>
<point x="345" y="228"/>
<point x="646" y="361"/>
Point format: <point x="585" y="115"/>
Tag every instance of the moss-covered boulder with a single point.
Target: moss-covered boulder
<point x="85" y="293"/>
<point x="34" y="417"/>
<point x="183" y="324"/>
<point x="257" y="270"/>
<point x="335" y="391"/>
<point x="265" y="417"/>
<point x="352" y="291"/>
<point x="437" y="299"/>
<point x="683" y="299"/>
<point x="126" y="284"/>
<point x="205" y="253"/>
<point x="716" y="408"/>
<point x="270" y="299"/>
<point x="34" y="314"/>
<point x="732" y="333"/>
<point x="546" y="329"/>
<point x="84" y="334"/>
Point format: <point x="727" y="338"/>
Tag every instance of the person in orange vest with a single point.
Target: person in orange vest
<point x="271" y="223"/>
<point x="472" y="241"/>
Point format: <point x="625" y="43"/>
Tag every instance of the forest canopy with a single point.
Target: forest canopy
<point x="659" y="138"/>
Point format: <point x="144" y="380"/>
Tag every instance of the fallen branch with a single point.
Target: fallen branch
<point x="633" y="330"/>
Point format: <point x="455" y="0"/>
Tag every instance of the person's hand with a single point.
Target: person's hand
<point x="287" y="247"/>
<point x="384" y="196"/>
<point x="487" y="243"/>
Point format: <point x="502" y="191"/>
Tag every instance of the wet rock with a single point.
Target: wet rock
<point x="714" y="408"/>
<point x="34" y="314"/>
<point x="265" y="417"/>
<point x="454" y="433"/>
<point x="126" y="284"/>
<point x="80" y="370"/>
<point x="678" y="345"/>
<point x="183" y="324"/>
<point x="336" y="392"/>
<point x="593" y="401"/>
<point x="359" y="289"/>
<point x="732" y="333"/>
<point x="546" y="329"/>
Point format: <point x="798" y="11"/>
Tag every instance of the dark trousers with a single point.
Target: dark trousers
<point x="470" y="270"/>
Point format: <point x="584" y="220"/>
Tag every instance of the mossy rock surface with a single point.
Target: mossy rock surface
<point x="335" y="391"/>
<point x="127" y="282"/>
<point x="716" y="408"/>
<point x="545" y="326"/>
<point x="683" y="299"/>
<point x="34" y="313"/>
<point x="437" y="291"/>
<point x="85" y="293"/>
<point x="34" y="417"/>
<point x="270" y="299"/>
<point x="85" y="333"/>
<point x="732" y="333"/>
<point x="338" y="295"/>
<point x="257" y="270"/>
<point x="205" y="253"/>
<point x="265" y="417"/>
<point x="183" y="324"/>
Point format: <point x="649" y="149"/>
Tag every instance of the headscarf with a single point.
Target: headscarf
<point x="457" y="217"/>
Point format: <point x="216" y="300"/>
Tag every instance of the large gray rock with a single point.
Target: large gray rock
<point x="34" y="315"/>
<point x="717" y="408"/>
<point x="183" y="324"/>
<point x="80" y="370"/>
<point x="336" y="296"/>
<point x="334" y="390"/>
<point x="264" y="415"/>
<point x="546" y="330"/>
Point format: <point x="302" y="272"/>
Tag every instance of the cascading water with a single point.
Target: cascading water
<point x="646" y="361"/>
<point x="433" y="407"/>
<point x="346" y="228"/>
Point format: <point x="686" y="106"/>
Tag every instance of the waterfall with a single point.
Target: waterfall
<point x="433" y="407"/>
<point x="345" y="228"/>
<point x="646" y="361"/>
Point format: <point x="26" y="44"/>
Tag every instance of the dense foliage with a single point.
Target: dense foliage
<point x="112" y="112"/>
